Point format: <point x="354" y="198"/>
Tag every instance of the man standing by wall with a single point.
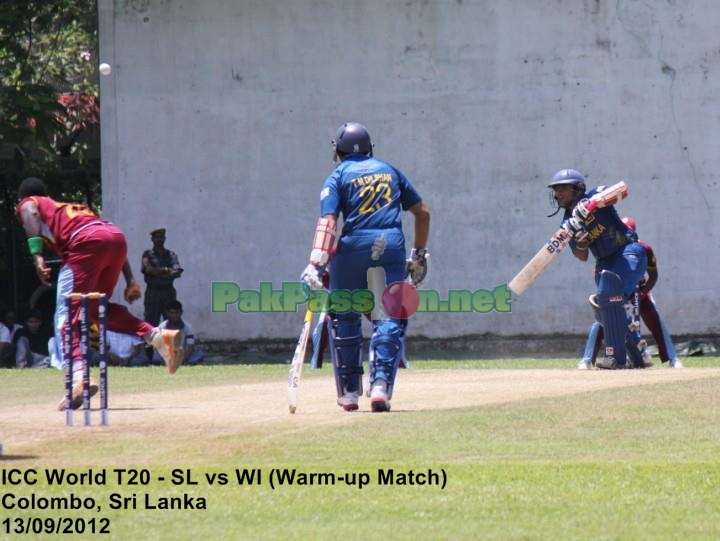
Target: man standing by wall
<point x="160" y="267"/>
<point x="371" y="195"/>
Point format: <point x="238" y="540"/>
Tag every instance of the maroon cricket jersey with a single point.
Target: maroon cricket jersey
<point x="652" y="262"/>
<point x="60" y="221"/>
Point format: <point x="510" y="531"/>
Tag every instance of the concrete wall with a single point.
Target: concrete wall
<point x="218" y="117"/>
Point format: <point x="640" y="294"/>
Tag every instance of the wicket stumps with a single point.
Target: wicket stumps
<point x="84" y="335"/>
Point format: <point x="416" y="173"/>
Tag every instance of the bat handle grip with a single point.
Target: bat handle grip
<point x="591" y="205"/>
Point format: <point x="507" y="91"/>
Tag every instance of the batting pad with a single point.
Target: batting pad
<point x="345" y="334"/>
<point x="386" y="351"/>
<point x="612" y="312"/>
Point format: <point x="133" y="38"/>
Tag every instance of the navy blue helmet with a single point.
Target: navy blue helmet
<point x="568" y="176"/>
<point x="353" y="138"/>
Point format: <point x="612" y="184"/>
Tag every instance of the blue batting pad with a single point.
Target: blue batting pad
<point x="345" y="334"/>
<point x="612" y="312"/>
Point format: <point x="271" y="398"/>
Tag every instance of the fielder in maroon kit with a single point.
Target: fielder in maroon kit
<point x="648" y="313"/>
<point x="94" y="253"/>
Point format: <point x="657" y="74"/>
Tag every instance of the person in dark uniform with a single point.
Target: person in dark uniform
<point x="160" y="267"/>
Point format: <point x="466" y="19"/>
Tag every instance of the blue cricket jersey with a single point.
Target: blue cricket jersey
<point x="370" y="193"/>
<point x="607" y="233"/>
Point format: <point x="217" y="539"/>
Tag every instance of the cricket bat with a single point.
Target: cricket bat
<point x="297" y="362"/>
<point x="560" y="239"/>
<point x="319" y="341"/>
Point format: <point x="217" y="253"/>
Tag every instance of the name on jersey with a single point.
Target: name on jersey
<point x="372" y="179"/>
<point x="596" y="231"/>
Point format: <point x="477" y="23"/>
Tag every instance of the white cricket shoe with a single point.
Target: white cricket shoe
<point x="583" y="365"/>
<point x="676" y="363"/>
<point x="379" y="400"/>
<point x="349" y="401"/>
<point x="168" y="343"/>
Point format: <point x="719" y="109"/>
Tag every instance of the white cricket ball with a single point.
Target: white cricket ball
<point x="105" y="68"/>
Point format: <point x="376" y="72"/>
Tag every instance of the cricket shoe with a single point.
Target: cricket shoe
<point x="379" y="400"/>
<point x="77" y="392"/>
<point x="646" y="356"/>
<point x="676" y="363"/>
<point x="647" y="360"/>
<point x="609" y="363"/>
<point x="349" y="401"/>
<point x="583" y="365"/>
<point x="168" y="343"/>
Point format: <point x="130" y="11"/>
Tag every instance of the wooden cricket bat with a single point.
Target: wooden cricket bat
<point x="298" y="361"/>
<point x="560" y="239"/>
<point x="319" y="339"/>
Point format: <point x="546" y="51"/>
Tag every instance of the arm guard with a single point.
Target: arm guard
<point x="323" y="242"/>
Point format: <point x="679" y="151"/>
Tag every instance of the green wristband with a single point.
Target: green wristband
<point x="35" y="244"/>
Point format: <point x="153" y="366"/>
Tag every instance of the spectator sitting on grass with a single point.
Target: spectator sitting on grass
<point x="31" y="342"/>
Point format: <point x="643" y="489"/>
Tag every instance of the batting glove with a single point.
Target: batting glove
<point x="312" y="276"/>
<point x="417" y="266"/>
<point x="576" y="226"/>
<point x="581" y="211"/>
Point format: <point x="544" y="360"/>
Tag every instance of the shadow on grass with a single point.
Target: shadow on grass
<point x="10" y="458"/>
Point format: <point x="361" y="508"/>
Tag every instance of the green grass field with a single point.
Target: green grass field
<point x="623" y="455"/>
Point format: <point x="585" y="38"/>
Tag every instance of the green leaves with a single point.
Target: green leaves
<point x="49" y="112"/>
<point x="46" y="49"/>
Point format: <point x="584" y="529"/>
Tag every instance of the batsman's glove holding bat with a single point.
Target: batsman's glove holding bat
<point x="313" y="276"/>
<point x="580" y="212"/>
<point x="582" y="241"/>
<point x="417" y="266"/>
<point x="576" y="226"/>
<point x="132" y="292"/>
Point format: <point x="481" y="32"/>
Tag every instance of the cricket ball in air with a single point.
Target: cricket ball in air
<point x="105" y="68"/>
<point x="400" y="300"/>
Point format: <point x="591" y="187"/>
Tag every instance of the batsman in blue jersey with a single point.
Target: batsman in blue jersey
<point x="370" y="194"/>
<point x="620" y="263"/>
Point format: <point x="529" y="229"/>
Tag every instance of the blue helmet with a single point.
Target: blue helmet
<point x="353" y="138"/>
<point x="568" y="176"/>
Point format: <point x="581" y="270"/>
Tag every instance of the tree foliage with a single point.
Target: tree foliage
<point x="48" y="104"/>
<point x="48" y="60"/>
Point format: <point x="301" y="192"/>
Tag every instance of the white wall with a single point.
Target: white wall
<point x="218" y="116"/>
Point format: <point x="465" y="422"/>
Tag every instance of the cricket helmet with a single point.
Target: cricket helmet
<point x="352" y="138"/>
<point x="628" y="221"/>
<point x="568" y="176"/>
